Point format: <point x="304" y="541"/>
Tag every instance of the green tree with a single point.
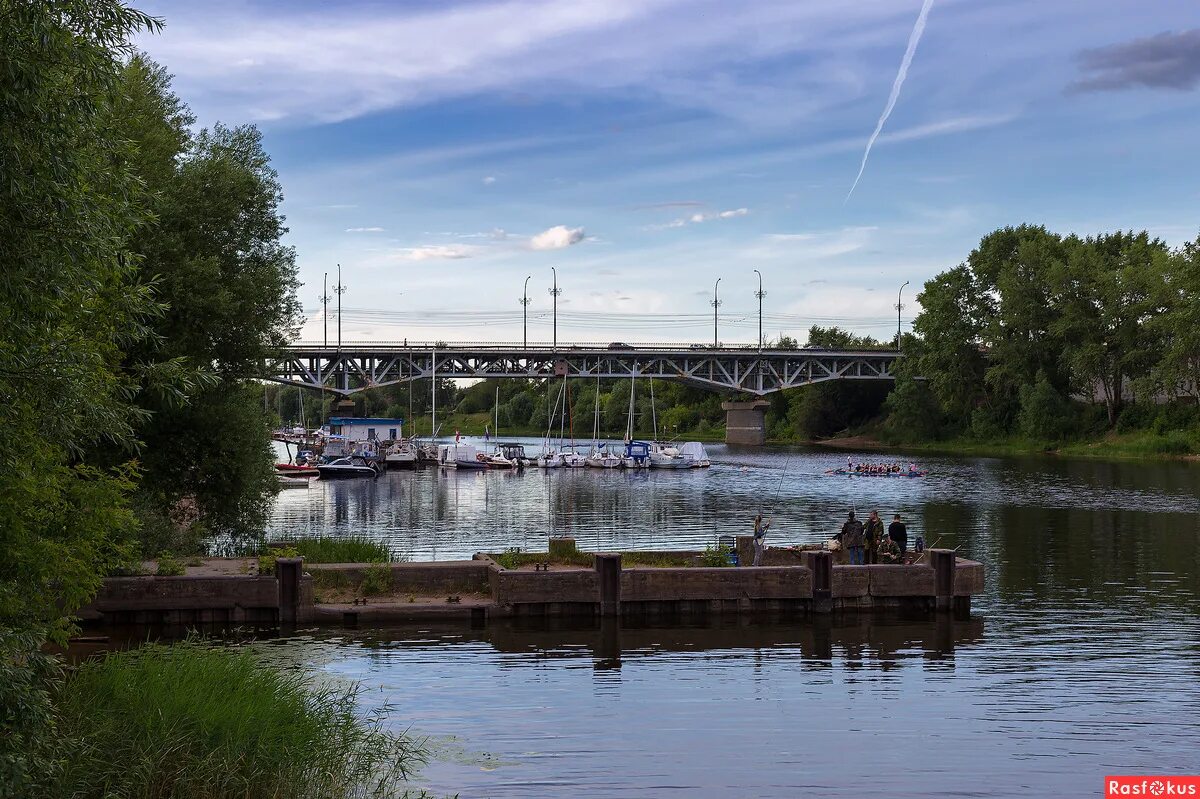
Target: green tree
<point x="1044" y="413"/>
<point x="214" y="256"/>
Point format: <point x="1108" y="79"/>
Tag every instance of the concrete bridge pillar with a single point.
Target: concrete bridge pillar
<point x="745" y="422"/>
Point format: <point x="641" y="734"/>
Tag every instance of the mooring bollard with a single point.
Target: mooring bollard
<point x="287" y="575"/>
<point x="943" y="561"/>
<point x="608" y="572"/>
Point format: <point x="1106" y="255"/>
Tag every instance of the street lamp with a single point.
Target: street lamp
<point x="760" y="294"/>
<point x="716" y="303"/>
<point x="325" y="307"/>
<point x="899" y="306"/>
<point x="554" y="292"/>
<point x="525" y="314"/>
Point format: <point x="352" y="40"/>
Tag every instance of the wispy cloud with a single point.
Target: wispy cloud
<point x="556" y="238"/>
<point x="364" y="230"/>
<point x="1169" y="60"/>
<point x="489" y="180"/>
<point x="435" y="252"/>
<point x="699" y="217"/>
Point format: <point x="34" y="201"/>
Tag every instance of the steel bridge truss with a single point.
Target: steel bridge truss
<point x="356" y="368"/>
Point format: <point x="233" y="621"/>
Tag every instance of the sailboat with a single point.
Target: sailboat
<point x="600" y="457"/>
<point x="550" y="457"/>
<point x="498" y="459"/>
<point x="637" y="453"/>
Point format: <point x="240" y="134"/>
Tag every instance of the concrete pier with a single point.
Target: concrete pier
<point x="745" y="422"/>
<point x="792" y="583"/>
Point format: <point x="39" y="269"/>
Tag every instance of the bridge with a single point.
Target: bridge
<point x="359" y="366"/>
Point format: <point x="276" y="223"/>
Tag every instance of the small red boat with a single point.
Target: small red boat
<point x="295" y="469"/>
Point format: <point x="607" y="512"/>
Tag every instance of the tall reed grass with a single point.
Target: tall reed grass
<point x="190" y="720"/>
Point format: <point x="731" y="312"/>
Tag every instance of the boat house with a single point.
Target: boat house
<point x="351" y="434"/>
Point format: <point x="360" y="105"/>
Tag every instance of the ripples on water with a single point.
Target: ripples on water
<point x="1082" y="658"/>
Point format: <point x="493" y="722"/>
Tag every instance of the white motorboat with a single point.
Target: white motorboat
<point x="514" y="453"/>
<point x="461" y="456"/>
<point x="402" y="454"/>
<point x="348" y="466"/>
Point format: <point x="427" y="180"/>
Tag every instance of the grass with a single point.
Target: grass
<point x="515" y="559"/>
<point x="190" y="720"/>
<point x="314" y="549"/>
<point x="1136" y="444"/>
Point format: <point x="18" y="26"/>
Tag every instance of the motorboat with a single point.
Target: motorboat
<point x="601" y="457"/>
<point x="296" y="470"/>
<point x="402" y="454"/>
<point x="461" y="456"/>
<point x="666" y="456"/>
<point x="515" y="453"/>
<point x="348" y="466"/>
<point x="694" y="453"/>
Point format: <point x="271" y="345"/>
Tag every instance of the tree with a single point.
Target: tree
<point x="1105" y="299"/>
<point x="214" y="256"/>
<point x="954" y="311"/>
<point x="1176" y="373"/>
<point x="68" y="304"/>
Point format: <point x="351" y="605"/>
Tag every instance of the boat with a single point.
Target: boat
<point x="637" y="455"/>
<point x="515" y="453"/>
<point x="402" y="454"/>
<point x="601" y="457"/>
<point x="550" y="459"/>
<point x="296" y="470"/>
<point x="461" y="456"/>
<point x="666" y="456"/>
<point x="572" y="457"/>
<point x="854" y="473"/>
<point x="694" y="453"/>
<point x="348" y="466"/>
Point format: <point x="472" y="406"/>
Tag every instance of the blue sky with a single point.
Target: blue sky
<point x="442" y="152"/>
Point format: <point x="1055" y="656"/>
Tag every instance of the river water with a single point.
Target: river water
<point x="1081" y="659"/>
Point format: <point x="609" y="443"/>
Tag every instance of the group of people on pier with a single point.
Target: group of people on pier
<point x="870" y="543"/>
<point x="864" y="543"/>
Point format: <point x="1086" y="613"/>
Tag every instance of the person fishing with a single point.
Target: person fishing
<point x="760" y="538"/>
<point x="873" y="536"/>
<point x="852" y="539"/>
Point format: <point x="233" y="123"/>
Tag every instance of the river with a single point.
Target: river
<point x="1081" y="659"/>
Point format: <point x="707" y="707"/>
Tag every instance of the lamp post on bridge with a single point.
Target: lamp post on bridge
<point x="554" y="292"/>
<point x="525" y="315"/>
<point x="716" y="303"/>
<point x="325" y="309"/>
<point x="760" y="294"/>
<point x="899" y="306"/>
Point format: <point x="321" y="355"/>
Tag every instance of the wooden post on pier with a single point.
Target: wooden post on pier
<point x="287" y="575"/>
<point x="821" y="566"/>
<point x="608" y="571"/>
<point x="943" y="561"/>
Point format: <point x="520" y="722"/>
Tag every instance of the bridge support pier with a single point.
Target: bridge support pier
<point x="745" y="422"/>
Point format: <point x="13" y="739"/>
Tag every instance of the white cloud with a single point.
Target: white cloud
<point x="489" y="180"/>
<point x="431" y="252"/>
<point x="364" y="230"/>
<point x="556" y="238"/>
<point x="702" y="216"/>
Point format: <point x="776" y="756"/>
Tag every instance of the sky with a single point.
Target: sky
<point x="441" y="152"/>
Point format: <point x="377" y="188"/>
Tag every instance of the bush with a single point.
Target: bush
<point x="715" y="556"/>
<point x="169" y="565"/>
<point x="266" y="563"/>
<point x="189" y="720"/>
<point x="1044" y="414"/>
<point x="377" y="580"/>
<point x="353" y="549"/>
<point x="27" y="730"/>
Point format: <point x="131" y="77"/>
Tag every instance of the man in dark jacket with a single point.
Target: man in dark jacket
<point x="852" y="539"/>
<point x="898" y="532"/>
<point x="873" y="536"/>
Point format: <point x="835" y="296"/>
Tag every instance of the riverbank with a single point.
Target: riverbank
<point x="1174" y="445"/>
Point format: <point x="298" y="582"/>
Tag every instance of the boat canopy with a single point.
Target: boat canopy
<point x="637" y="449"/>
<point x="693" y="449"/>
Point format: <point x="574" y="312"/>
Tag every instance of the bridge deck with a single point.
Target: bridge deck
<point x="357" y="366"/>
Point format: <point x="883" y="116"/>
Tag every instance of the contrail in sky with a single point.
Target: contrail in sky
<point x="913" y="39"/>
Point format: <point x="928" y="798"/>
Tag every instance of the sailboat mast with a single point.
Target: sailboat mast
<point x="653" y="413"/>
